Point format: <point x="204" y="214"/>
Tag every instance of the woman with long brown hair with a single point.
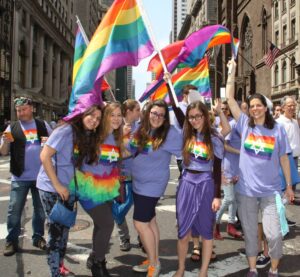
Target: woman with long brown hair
<point x="198" y="195"/>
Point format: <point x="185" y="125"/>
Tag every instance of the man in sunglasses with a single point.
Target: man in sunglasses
<point x="22" y="139"/>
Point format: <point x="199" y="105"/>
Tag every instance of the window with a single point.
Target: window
<point x="292" y="69"/>
<point x="283" y="6"/>
<point x="293" y="2"/>
<point x="276" y="11"/>
<point x="276" y="38"/>
<point x="284" y="35"/>
<point x="293" y="29"/>
<point x="22" y="64"/>
<point x="283" y="79"/>
<point x="264" y="32"/>
<point x="276" y="75"/>
<point x="23" y="18"/>
<point x="35" y="66"/>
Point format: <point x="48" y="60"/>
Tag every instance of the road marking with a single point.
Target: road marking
<point x="219" y="269"/>
<point x="3" y="230"/>
<point x="4" y="181"/>
<point x="80" y="253"/>
<point x="6" y="198"/>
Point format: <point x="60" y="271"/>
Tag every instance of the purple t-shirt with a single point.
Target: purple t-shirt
<point x="199" y="160"/>
<point x="150" y="169"/>
<point x="231" y="160"/>
<point x="62" y="141"/>
<point x="32" y="160"/>
<point x="261" y="149"/>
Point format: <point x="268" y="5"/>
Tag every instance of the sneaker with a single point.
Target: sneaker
<point x="63" y="271"/>
<point x="143" y="267"/>
<point x="90" y="260"/>
<point x="291" y="223"/>
<point x="242" y="252"/>
<point x="252" y="274"/>
<point x="125" y="245"/>
<point x="153" y="271"/>
<point x="262" y="261"/>
<point x="10" y="249"/>
<point x="39" y="243"/>
<point x="271" y="274"/>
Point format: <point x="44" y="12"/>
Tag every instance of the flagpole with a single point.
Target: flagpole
<point x="86" y="40"/>
<point x="155" y="44"/>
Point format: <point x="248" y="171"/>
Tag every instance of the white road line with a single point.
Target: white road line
<point x="3" y="230"/>
<point x="6" y="198"/>
<point x="4" y="181"/>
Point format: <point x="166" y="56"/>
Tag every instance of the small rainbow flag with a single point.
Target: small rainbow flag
<point x="197" y="76"/>
<point x="259" y="146"/>
<point x="121" y="39"/>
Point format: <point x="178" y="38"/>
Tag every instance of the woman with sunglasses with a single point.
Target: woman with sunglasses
<point x="264" y="148"/>
<point x="152" y="146"/>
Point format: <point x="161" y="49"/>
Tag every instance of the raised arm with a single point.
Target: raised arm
<point x="233" y="105"/>
<point x="226" y="128"/>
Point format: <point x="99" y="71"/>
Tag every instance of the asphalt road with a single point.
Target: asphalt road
<point x="32" y="261"/>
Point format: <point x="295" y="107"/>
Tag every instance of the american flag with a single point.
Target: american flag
<point x="273" y="52"/>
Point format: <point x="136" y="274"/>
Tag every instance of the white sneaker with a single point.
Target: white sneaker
<point x="143" y="267"/>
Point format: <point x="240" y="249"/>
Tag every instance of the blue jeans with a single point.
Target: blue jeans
<point x="18" y="194"/>
<point x="229" y="202"/>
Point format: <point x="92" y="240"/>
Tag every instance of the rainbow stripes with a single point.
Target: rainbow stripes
<point x="31" y="137"/>
<point x="197" y="76"/>
<point x="109" y="154"/>
<point x="259" y="146"/>
<point x="134" y="146"/>
<point x="199" y="151"/>
<point x="94" y="190"/>
<point x="121" y="39"/>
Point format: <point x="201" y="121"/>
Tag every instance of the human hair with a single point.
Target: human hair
<point x="189" y="133"/>
<point x="105" y="125"/>
<point x="286" y="97"/>
<point x="186" y="89"/>
<point x="160" y="134"/>
<point x="269" y="120"/>
<point x="86" y="141"/>
<point x="129" y="104"/>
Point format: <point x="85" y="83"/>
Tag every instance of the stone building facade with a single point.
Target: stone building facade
<point x="43" y="39"/>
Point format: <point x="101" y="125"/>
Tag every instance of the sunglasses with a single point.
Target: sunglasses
<point x="19" y="101"/>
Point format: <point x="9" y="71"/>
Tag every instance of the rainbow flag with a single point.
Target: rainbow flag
<point x="121" y="39"/>
<point x="197" y="76"/>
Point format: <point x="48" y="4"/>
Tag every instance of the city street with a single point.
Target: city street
<point x="32" y="261"/>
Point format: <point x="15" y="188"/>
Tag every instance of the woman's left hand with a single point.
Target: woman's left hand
<point x="216" y="204"/>
<point x="289" y="194"/>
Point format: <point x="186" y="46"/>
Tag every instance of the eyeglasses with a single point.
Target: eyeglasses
<point x="196" y="117"/>
<point x="158" y="115"/>
<point x="19" y="101"/>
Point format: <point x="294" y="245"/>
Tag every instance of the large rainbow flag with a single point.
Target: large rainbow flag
<point x="121" y="39"/>
<point x="197" y="76"/>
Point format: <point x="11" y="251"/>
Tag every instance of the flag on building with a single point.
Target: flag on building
<point x="120" y="40"/>
<point x="270" y="57"/>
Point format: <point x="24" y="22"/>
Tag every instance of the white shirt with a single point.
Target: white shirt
<point x="293" y="132"/>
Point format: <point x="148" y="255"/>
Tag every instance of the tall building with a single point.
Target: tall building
<point x="286" y="36"/>
<point x="42" y="54"/>
<point x="251" y="22"/>
<point x="6" y="19"/>
<point x="130" y="93"/>
<point x="178" y="17"/>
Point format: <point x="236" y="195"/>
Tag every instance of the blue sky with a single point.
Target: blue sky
<point x="160" y="16"/>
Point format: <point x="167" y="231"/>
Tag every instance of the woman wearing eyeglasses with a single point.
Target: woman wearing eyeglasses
<point x="264" y="148"/>
<point x="152" y="145"/>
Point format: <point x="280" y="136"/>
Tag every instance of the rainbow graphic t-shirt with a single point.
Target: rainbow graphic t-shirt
<point x="199" y="151"/>
<point x="109" y="154"/>
<point x="260" y="147"/>
<point x="31" y="137"/>
<point x="147" y="148"/>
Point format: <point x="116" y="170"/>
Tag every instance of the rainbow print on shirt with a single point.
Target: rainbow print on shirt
<point x="31" y="137"/>
<point x="109" y="154"/>
<point x="199" y="151"/>
<point x="147" y="148"/>
<point x="259" y="146"/>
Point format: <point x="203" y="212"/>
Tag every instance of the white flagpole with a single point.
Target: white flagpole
<point x="155" y="44"/>
<point x="86" y="40"/>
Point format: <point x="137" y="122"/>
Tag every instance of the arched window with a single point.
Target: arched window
<point x="276" y="10"/>
<point x="283" y="72"/>
<point x="22" y="64"/>
<point x="264" y="26"/>
<point x="292" y="68"/>
<point x="276" y="75"/>
<point x="246" y="45"/>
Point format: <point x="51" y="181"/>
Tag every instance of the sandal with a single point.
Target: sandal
<point x="196" y="254"/>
